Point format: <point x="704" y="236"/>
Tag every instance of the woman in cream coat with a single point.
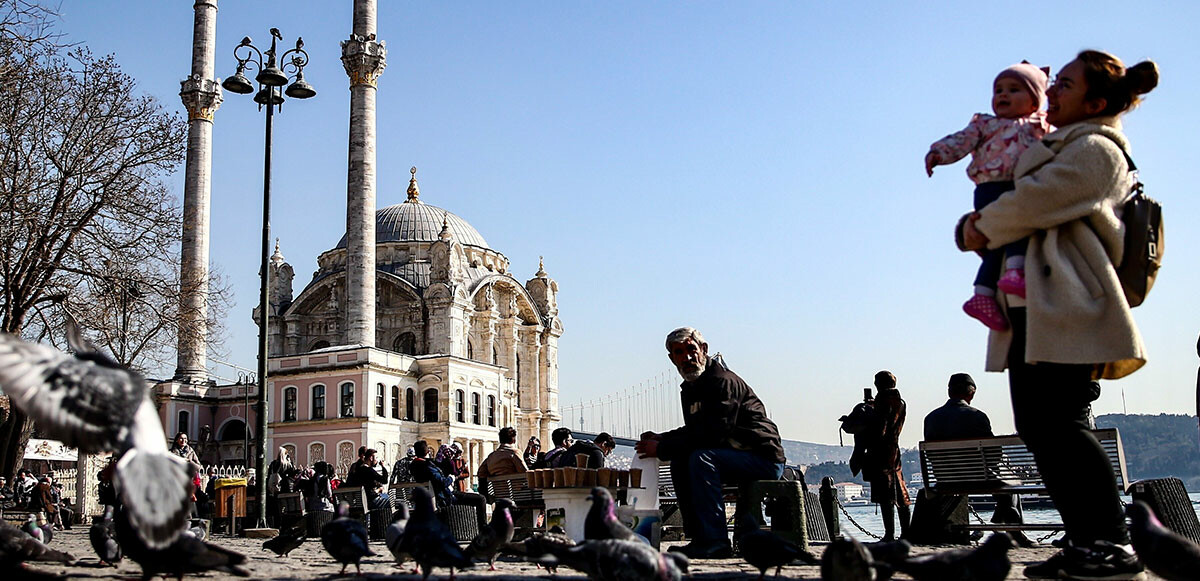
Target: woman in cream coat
<point x="1074" y="324"/>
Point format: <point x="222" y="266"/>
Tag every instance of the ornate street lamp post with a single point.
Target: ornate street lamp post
<point x="270" y="78"/>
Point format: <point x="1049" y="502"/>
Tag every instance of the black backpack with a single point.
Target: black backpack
<point x="1144" y="241"/>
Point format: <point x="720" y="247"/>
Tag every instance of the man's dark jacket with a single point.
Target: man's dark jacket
<point x="957" y="420"/>
<point x="594" y="453"/>
<point x="721" y="411"/>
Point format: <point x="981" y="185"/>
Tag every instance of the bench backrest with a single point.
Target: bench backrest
<point x="514" y="487"/>
<point x="1001" y="462"/>
<point x="402" y="492"/>
<point x="290" y="503"/>
<point x="355" y="496"/>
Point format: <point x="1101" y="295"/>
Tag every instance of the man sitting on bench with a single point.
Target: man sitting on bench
<point x="957" y="420"/>
<point x="726" y="438"/>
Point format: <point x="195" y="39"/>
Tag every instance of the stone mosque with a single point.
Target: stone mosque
<point x="412" y="327"/>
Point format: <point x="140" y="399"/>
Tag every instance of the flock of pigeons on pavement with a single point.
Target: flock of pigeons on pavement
<point x="90" y="402"/>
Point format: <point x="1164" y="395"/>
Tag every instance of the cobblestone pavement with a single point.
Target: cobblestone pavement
<point x="311" y="562"/>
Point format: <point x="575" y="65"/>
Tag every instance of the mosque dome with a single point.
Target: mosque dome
<point x="416" y="221"/>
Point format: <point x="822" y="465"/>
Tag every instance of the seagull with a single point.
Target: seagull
<point x="601" y="521"/>
<point x="345" y="539"/>
<point x="103" y="536"/>
<point x="538" y="544"/>
<point x="89" y="401"/>
<point x="618" y="560"/>
<point x="1165" y="552"/>
<point x="487" y="543"/>
<point x="186" y="554"/>
<point x="432" y="544"/>
<point x="765" y="549"/>
<point x="846" y="560"/>
<point x="286" y="542"/>
<point x="988" y="562"/>
<point x="16" y="547"/>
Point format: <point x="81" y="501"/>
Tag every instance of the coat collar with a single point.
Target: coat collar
<point x="1040" y="153"/>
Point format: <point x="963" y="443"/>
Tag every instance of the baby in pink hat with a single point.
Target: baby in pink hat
<point x="995" y="143"/>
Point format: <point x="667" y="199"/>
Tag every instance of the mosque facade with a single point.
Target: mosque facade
<point x="411" y="328"/>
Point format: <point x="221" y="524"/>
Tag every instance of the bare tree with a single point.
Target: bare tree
<point x="86" y="221"/>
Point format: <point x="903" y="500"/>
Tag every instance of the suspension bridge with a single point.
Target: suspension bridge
<point x="650" y="405"/>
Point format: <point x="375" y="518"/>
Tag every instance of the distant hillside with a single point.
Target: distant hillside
<point x="809" y="453"/>
<point x="1158" y="446"/>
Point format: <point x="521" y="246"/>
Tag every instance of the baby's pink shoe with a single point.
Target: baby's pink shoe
<point x="1013" y="282"/>
<point x="987" y="310"/>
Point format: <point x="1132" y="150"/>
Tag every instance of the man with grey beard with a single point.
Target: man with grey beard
<point x="726" y="438"/>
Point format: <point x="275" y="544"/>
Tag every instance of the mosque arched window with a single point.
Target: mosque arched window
<point x="318" y="402"/>
<point x="289" y="404"/>
<point x="491" y="411"/>
<point x="405" y="343"/>
<point x="475" y="419"/>
<point x="410" y="404"/>
<point x="347" y="400"/>
<point x="395" y="402"/>
<point x="430" y="402"/>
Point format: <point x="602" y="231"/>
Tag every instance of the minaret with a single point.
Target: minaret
<point x="201" y="94"/>
<point x="364" y="59"/>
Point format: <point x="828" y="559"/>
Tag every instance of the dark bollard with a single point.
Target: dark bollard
<point x="829" y="507"/>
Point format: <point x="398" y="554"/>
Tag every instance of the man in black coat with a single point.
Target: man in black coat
<point x="596" y="451"/>
<point x="726" y="438"/>
<point x="958" y="420"/>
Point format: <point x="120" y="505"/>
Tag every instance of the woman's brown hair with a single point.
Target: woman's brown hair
<point x="1108" y="79"/>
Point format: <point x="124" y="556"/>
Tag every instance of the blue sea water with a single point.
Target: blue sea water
<point x="868" y="516"/>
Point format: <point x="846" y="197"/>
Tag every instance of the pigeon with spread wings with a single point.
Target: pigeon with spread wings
<point x="89" y="401"/>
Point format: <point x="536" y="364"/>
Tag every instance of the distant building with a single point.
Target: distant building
<point x="464" y="348"/>
<point x="848" y="490"/>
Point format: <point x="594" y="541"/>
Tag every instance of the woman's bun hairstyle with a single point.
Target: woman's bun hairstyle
<point x="1120" y="87"/>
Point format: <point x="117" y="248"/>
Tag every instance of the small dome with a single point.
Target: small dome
<point x="414" y="221"/>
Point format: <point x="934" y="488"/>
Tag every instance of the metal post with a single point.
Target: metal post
<point x="264" y="307"/>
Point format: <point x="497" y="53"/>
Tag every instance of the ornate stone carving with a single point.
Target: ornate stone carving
<point x="364" y="59"/>
<point x="201" y="97"/>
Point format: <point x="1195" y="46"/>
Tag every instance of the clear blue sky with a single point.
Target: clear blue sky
<point x="751" y="169"/>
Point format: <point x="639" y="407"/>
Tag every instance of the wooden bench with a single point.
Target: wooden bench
<point x="528" y="501"/>
<point x="355" y="496"/>
<point x="291" y="509"/>
<point x="1000" y="465"/>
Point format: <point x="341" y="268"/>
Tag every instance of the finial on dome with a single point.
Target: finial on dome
<point x="414" y="193"/>
<point x="445" y="234"/>
<point x="277" y="258"/>
<point x="541" y="273"/>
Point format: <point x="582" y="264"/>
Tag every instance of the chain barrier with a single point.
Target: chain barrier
<point x="1039" y="540"/>
<point x="854" y="522"/>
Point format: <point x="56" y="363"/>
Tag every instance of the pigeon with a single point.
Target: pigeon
<point x="103" y="535"/>
<point x="765" y="549"/>
<point x="394" y="537"/>
<point x="1163" y="551"/>
<point x="286" y="541"/>
<point x="186" y="554"/>
<point x="47" y="528"/>
<point x="196" y="530"/>
<point x="431" y="543"/>
<point x="884" y="554"/>
<point x="345" y="539"/>
<point x="16" y="547"/>
<point x="487" y="543"/>
<point x="846" y="560"/>
<point x="538" y="544"/>
<point x="618" y="560"/>
<point x="988" y="562"/>
<point x="31" y="528"/>
<point x="601" y="521"/>
<point x="91" y="402"/>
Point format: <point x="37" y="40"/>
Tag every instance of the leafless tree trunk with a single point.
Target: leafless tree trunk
<point x="86" y="221"/>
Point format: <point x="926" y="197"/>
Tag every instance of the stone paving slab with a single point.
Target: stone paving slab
<point x="311" y="562"/>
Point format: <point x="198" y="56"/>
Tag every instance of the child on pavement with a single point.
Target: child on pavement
<point x="995" y="143"/>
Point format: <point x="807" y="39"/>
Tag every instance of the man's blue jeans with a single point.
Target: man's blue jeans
<point x="698" y="481"/>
